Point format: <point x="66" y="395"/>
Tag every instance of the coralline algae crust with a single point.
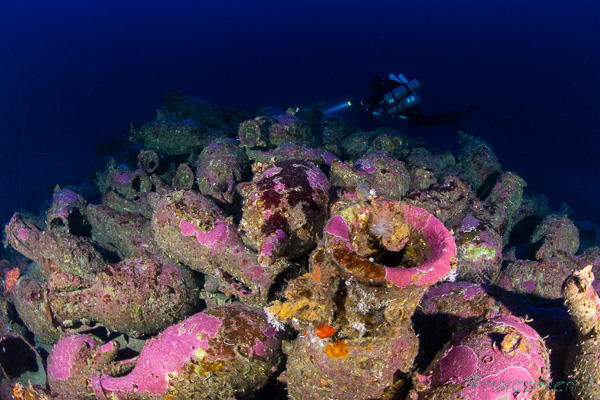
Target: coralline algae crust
<point x="181" y="342"/>
<point x="67" y="350"/>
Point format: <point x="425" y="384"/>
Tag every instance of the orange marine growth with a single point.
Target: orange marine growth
<point x="20" y="392"/>
<point x="11" y="280"/>
<point x="339" y="349"/>
<point x="324" y="331"/>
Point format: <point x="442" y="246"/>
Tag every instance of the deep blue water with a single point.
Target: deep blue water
<point x="74" y="73"/>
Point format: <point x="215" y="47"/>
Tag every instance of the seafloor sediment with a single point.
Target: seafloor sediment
<point x="289" y="254"/>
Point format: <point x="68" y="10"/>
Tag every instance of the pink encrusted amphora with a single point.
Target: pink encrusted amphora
<point x="227" y="351"/>
<point x="377" y="258"/>
<point x="196" y="232"/>
<point x="391" y="244"/>
<point x="498" y="359"/>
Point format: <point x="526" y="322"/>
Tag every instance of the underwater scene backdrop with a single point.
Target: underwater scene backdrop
<point x="213" y="200"/>
<point x="73" y="74"/>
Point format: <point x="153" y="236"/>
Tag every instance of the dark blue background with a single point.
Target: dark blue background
<point x="75" y="73"/>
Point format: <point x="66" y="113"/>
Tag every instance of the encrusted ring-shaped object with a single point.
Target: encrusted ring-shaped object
<point x="390" y="241"/>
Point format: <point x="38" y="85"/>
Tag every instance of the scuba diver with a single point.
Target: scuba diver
<point x="395" y="97"/>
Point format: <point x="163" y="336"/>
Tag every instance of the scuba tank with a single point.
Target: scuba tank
<point x="394" y="102"/>
<point x="401" y="106"/>
<point x="401" y="92"/>
<point x="402" y="98"/>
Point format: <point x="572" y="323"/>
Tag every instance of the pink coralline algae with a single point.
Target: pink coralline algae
<point x="285" y="209"/>
<point x="221" y="353"/>
<point x="430" y="253"/>
<point x="197" y="233"/>
<point x="452" y="307"/>
<point x="502" y="358"/>
<point x="73" y="360"/>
